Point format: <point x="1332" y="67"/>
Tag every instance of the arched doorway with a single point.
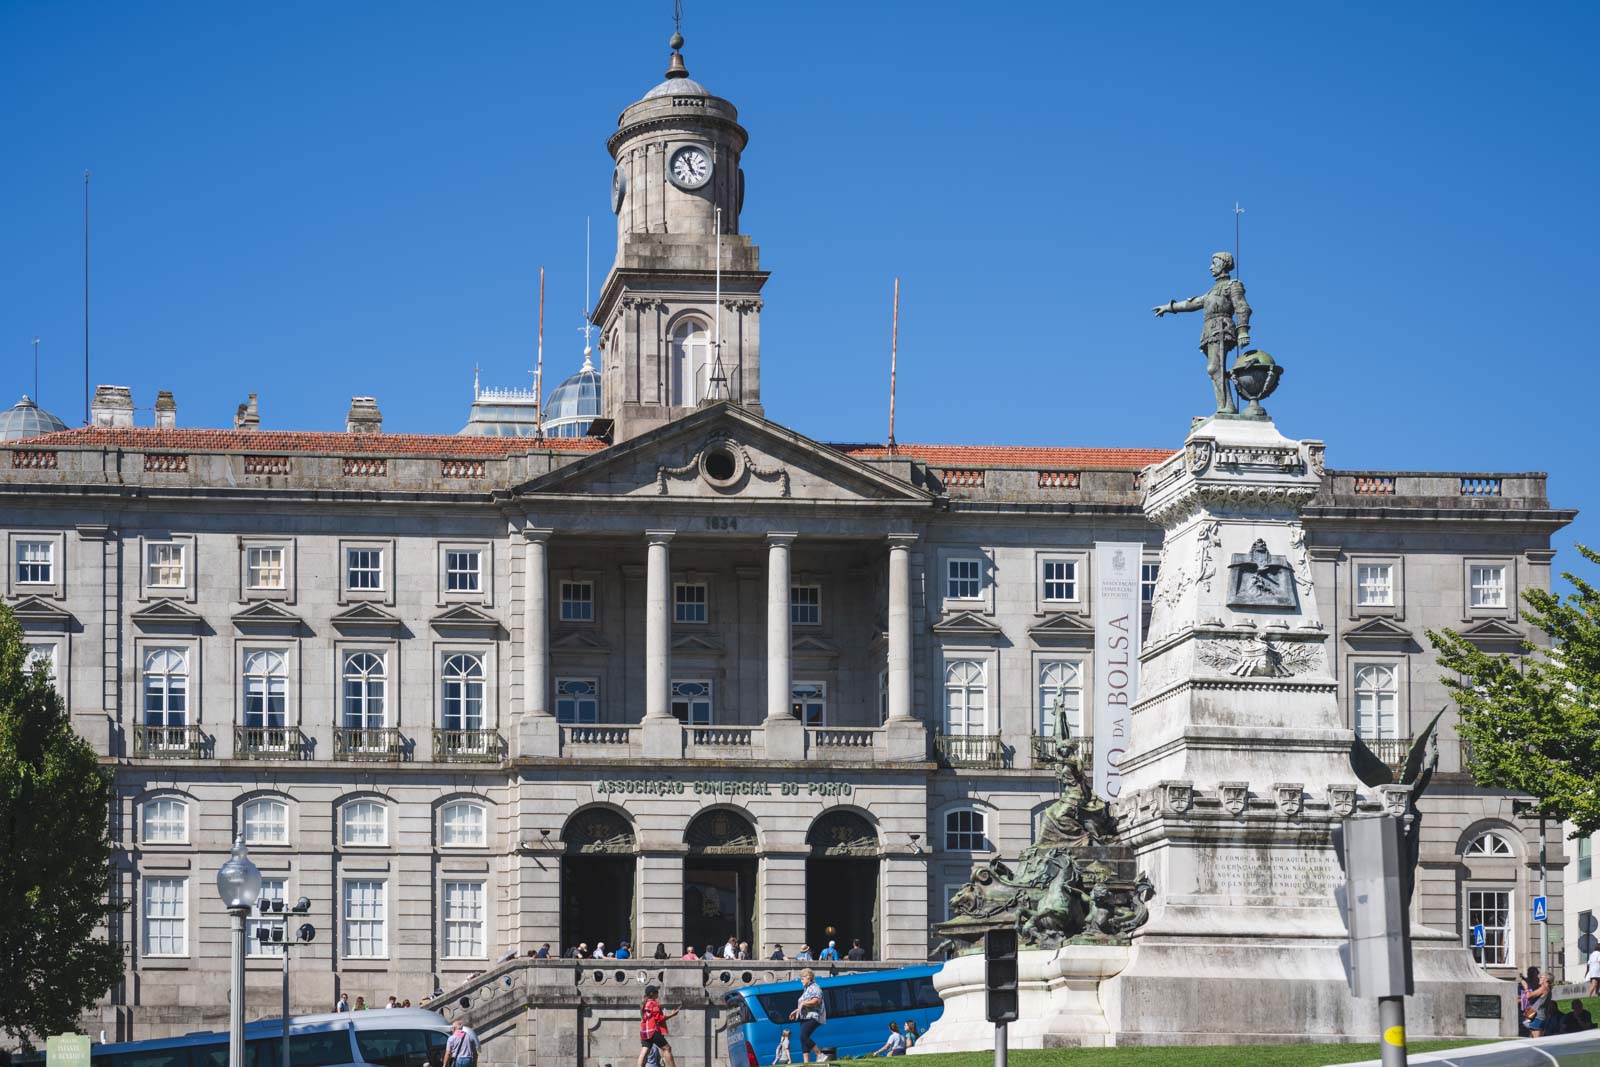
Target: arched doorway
<point x="719" y="880"/>
<point x="842" y="882"/>
<point x="597" y="874"/>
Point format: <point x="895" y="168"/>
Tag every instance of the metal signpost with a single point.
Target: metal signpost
<point x="1380" y="936"/>
<point x="276" y="935"/>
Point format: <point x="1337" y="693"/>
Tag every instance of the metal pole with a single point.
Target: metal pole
<point x="284" y="1051"/>
<point x="236" y="997"/>
<point x="1544" y="927"/>
<point x="999" y="1045"/>
<point x="1392" y="1021"/>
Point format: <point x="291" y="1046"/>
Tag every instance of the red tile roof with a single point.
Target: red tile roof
<point x="1013" y="455"/>
<point x="373" y="444"/>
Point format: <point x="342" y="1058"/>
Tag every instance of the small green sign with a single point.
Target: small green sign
<point x="66" y="1050"/>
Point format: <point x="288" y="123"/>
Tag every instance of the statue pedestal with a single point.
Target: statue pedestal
<point x="1238" y="774"/>
<point x="1059" y="1001"/>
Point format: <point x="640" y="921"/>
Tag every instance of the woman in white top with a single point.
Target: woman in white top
<point x="896" y="1045"/>
<point x="1594" y="972"/>
<point x="812" y="1014"/>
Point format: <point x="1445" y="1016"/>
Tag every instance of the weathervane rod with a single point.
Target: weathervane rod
<point x="894" y="355"/>
<point x="35" y="370"/>
<point x="538" y="367"/>
<point x="1237" y="211"/>
<point x="86" y="298"/>
<point x="717" y="373"/>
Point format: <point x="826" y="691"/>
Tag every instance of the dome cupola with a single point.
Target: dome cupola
<point x="27" y="419"/>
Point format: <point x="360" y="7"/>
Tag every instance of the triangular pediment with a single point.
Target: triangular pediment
<point x="579" y="641"/>
<point x="1379" y="631"/>
<point x="37" y="613"/>
<point x="169" y="615"/>
<point x="814" y="647"/>
<point x="1062" y="627"/>
<point x="267" y="615"/>
<point x="1494" y="632"/>
<point x="366" y="618"/>
<point x="697" y="642"/>
<point x="967" y="624"/>
<point x="464" y="618"/>
<point x="725" y="451"/>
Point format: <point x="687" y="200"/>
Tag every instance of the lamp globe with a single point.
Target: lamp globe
<point x="239" y="880"/>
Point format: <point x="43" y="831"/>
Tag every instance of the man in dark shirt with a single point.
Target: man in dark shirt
<point x="856" y="953"/>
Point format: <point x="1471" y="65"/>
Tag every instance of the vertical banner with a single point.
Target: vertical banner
<point x="1116" y="657"/>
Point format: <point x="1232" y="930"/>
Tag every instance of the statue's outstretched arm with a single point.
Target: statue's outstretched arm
<point x="1194" y="303"/>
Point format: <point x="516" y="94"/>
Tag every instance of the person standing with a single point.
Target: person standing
<point x="344" y="1002"/>
<point x="896" y="1045"/>
<point x="1537" y="1013"/>
<point x="804" y="953"/>
<point x="361" y="1004"/>
<point x="462" y="1048"/>
<point x="653" y="1027"/>
<point x="856" y="953"/>
<point x="831" y="952"/>
<point x="811" y="1014"/>
<point x="394" y="1001"/>
<point x="1594" y="971"/>
<point x="777" y="953"/>
<point x="730" y="951"/>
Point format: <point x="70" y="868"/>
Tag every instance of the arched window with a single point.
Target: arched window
<point x="688" y="363"/>
<point x="364" y="695"/>
<point x="1376" y="696"/>
<point x="166" y="687"/>
<point x="365" y="822"/>
<point x="463" y="824"/>
<point x="264" y="822"/>
<point x="266" y="681"/>
<point x="1060" y="680"/>
<point x="964" y="831"/>
<point x="166" y="821"/>
<point x="461" y="693"/>
<point x="966" y="697"/>
<point x="1490" y="843"/>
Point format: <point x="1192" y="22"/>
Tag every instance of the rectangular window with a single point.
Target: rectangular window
<point x="1375" y="585"/>
<point x="166" y="916"/>
<point x="1060" y="698"/>
<point x="691" y="702"/>
<point x="1148" y="573"/>
<point x="463" y="824"/>
<point x="1488" y="584"/>
<point x="366" y="822"/>
<point x="1060" y="580"/>
<point x="577" y="700"/>
<point x="811" y="703"/>
<point x="463" y="920"/>
<point x="577" y="601"/>
<point x="463" y="570"/>
<point x="164" y="565"/>
<point x="365" y="937"/>
<point x="689" y="602"/>
<point x="963" y="579"/>
<point x="883" y="697"/>
<point x="805" y="605"/>
<point x="1491" y="909"/>
<point x="271" y="889"/>
<point x="1585" y="858"/>
<point x="42" y="654"/>
<point x="166" y="821"/>
<point x="36" y="562"/>
<point x="363" y="568"/>
<point x="263" y="567"/>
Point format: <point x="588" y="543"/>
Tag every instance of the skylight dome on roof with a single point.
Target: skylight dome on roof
<point x="575" y="403"/>
<point x="27" y="419"/>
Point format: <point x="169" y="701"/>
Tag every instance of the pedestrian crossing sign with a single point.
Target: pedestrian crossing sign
<point x="1478" y="940"/>
<point x="1538" y="909"/>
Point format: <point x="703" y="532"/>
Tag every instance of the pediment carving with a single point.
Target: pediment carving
<point x="579" y="641"/>
<point x="1379" y="631"/>
<point x="464" y="619"/>
<point x="967" y="624"/>
<point x="697" y="642"/>
<point x="267" y="616"/>
<point x="807" y="645"/>
<point x="1494" y="632"/>
<point x="366" y="618"/>
<point x="169" y="616"/>
<point x="37" y="613"/>
<point x="1062" y="628"/>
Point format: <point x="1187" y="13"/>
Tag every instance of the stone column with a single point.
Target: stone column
<point x="537" y="731"/>
<point x="900" y="626"/>
<point x="784" y="735"/>
<point x="660" y="733"/>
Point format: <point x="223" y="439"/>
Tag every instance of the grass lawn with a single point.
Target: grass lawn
<point x="1182" y="1056"/>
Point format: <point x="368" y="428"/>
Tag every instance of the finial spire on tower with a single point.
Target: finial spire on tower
<point x="675" y="67"/>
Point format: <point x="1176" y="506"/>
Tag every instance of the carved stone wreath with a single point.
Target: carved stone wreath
<point x="744" y="466"/>
<point x="1259" y="657"/>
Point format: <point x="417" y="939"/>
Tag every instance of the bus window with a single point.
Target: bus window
<point x="320" y="1049"/>
<point x="923" y="994"/>
<point x="155" y="1057"/>
<point x="393" y="1048"/>
<point x="436" y="1046"/>
<point x="262" y="1052"/>
<point x="208" y="1055"/>
<point x="868" y="998"/>
<point x="778" y="1005"/>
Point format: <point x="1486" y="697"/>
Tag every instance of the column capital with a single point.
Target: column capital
<point x="659" y="537"/>
<point x="781" y="537"/>
<point x="537" y="533"/>
<point x="901" y="540"/>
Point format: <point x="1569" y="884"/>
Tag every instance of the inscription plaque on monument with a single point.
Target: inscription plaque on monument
<point x="1279" y="874"/>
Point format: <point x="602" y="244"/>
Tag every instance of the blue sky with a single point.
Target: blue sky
<point x="310" y="201"/>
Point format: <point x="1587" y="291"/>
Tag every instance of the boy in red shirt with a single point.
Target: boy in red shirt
<point x="653" y="1027"/>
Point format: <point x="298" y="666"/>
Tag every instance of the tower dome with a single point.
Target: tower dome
<point x="27" y="419"/>
<point x="575" y="403"/>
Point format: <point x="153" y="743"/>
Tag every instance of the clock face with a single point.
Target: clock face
<point x="619" y="189"/>
<point x="690" y="167"/>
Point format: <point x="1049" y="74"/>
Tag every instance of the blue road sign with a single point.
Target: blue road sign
<point x="1478" y="940"/>
<point x="1538" y="909"/>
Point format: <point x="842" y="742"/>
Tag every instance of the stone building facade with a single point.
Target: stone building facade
<point x="693" y="675"/>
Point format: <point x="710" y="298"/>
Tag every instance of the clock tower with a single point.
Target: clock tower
<point x="676" y="183"/>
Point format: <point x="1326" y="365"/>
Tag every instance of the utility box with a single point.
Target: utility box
<point x="1380" y="929"/>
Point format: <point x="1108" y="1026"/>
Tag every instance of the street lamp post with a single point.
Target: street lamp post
<point x="239" y="884"/>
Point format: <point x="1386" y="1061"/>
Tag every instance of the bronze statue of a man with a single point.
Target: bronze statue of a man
<point x="1218" y="336"/>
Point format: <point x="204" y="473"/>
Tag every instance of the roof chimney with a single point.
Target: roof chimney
<point x="166" y="410"/>
<point x="247" y="418"/>
<point x="112" y="406"/>
<point x="364" y="416"/>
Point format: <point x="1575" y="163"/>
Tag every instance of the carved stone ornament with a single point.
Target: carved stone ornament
<point x="1197" y="455"/>
<point x="1396" y="799"/>
<point x="842" y="833"/>
<point x="599" y="830"/>
<point x="720" y="832"/>
<point x="1290" y="797"/>
<point x="1316" y="456"/>
<point x="1235" y="797"/>
<point x="1259" y="579"/>
<point x="724" y="464"/>
<point x="1259" y="656"/>
<point x="1342" y="799"/>
<point x="1176" y="797"/>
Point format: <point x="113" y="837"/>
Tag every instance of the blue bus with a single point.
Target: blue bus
<point x="860" y="1007"/>
<point x="380" y="1037"/>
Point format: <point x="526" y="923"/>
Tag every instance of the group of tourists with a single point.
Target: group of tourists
<point x="1540" y="1015"/>
<point x="740" y="950"/>
<point x="343" y="1003"/>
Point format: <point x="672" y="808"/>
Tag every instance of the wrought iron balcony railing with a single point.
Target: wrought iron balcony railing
<point x="468" y="746"/>
<point x="1392" y="750"/>
<point x="982" y="751"/>
<point x="268" y="742"/>
<point x="1044" y="749"/>
<point x="168" y="742"/>
<point x="380" y="744"/>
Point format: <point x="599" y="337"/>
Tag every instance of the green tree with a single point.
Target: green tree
<point x="1534" y="720"/>
<point x="55" y="855"/>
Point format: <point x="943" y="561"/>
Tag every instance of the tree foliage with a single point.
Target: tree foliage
<point x="55" y="856"/>
<point x="1533" y="720"/>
